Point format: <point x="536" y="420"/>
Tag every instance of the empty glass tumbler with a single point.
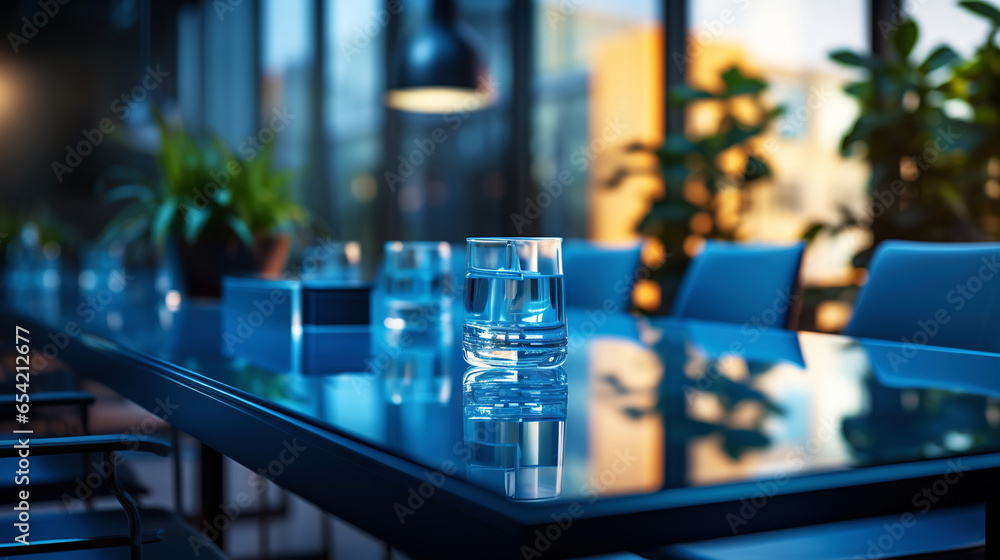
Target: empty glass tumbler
<point x="514" y="304"/>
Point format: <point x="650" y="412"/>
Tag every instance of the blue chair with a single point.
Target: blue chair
<point x="600" y="275"/>
<point x="751" y="284"/>
<point x="939" y="294"/>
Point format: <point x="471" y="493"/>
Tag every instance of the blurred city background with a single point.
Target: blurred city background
<point x="744" y="101"/>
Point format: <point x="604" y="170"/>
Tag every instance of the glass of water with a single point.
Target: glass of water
<point x="414" y="287"/>
<point x="514" y="429"/>
<point x="332" y="260"/>
<point x="514" y="304"/>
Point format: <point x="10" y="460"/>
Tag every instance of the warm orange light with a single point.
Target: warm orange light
<point x="437" y="100"/>
<point x="693" y="245"/>
<point x="363" y="188"/>
<point x="832" y="316"/>
<point x="646" y="295"/>
<point x="908" y="169"/>
<point x="993" y="188"/>
<point x="696" y="192"/>
<point x="701" y="223"/>
<point x="861" y="276"/>
<point x="654" y="254"/>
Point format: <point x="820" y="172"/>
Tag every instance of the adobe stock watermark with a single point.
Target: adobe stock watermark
<point x="365" y="34"/>
<point x="246" y="324"/>
<point x="899" y="15"/>
<point x="121" y="107"/>
<point x="596" y="317"/>
<point x="559" y="13"/>
<point x="707" y="33"/>
<point x="581" y="158"/>
<point x="31" y="25"/>
<point x="795" y="459"/>
<point x="86" y="311"/>
<point x="224" y="7"/>
<point x="818" y="97"/>
<point x="98" y="473"/>
<point x="959" y="297"/>
<point x="230" y="511"/>
<point x="562" y="522"/>
<point x="884" y="199"/>
<point x="922" y="503"/>
<point x="753" y="329"/>
<point x="423" y="148"/>
<point x="249" y="148"/>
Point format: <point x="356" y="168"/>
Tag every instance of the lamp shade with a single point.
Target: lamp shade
<point x="436" y="69"/>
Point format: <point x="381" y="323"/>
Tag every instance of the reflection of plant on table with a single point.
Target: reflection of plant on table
<point x="705" y="177"/>
<point x="737" y="431"/>
<point x="934" y="173"/>
<point x="906" y="425"/>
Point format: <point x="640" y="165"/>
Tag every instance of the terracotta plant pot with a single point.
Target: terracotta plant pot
<point x="205" y="263"/>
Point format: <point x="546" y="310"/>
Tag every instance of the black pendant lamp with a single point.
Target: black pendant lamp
<point x="436" y="69"/>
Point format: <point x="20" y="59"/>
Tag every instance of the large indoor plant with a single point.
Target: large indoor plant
<point x="706" y="176"/>
<point x="934" y="171"/>
<point x="226" y="214"/>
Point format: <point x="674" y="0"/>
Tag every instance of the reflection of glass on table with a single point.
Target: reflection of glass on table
<point x="102" y="281"/>
<point x="514" y="304"/>
<point x="514" y="430"/>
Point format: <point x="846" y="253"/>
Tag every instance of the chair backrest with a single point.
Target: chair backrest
<point x="743" y="283"/>
<point x="941" y="294"/>
<point x="597" y="274"/>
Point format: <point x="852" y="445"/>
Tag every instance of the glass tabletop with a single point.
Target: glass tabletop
<point x="641" y="404"/>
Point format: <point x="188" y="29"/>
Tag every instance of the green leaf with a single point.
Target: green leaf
<point x="682" y="94"/>
<point x="811" y="233"/>
<point x="122" y="224"/>
<point x="669" y="212"/>
<point x="756" y="169"/>
<point x="163" y="219"/>
<point x="676" y="145"/>
<point x="861" y="90"/>
<point x="849" y="58"/>
<point x="125" y="192"/>
<point x="983" y="9"/>
<point x="194" y="222"/>
<point x="737" y="83"/>
<point x="904" y="38"/>
<point x="241" y="230"/>
<point x="941" y="56"/>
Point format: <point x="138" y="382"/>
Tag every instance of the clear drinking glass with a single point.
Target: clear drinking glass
<point x="514" y="303"/>
<point x="414" y="287"/>
<point x="337" y="260"/>
<point x="514" y="430"/>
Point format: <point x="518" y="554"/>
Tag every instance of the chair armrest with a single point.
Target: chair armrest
<point x="86" y="444"/>
<point x="55" y="398"/>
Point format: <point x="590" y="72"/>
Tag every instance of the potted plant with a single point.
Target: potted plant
<point x="225" y="214"/>
<point x="935" y="174"/>
<point x="705" y="177"/>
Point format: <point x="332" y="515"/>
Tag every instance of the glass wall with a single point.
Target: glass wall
<point x="597" y="87"/>
<point x="354" y="120"/>
<point x="787" y="44"/>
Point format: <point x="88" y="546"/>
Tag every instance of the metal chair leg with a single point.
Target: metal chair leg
<point x="127" y="503"/>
